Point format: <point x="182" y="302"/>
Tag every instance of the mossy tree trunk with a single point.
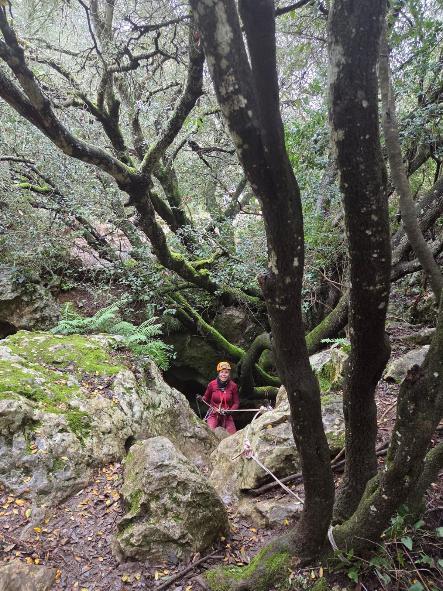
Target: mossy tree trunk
<point x="354" y="34"/>
<point x="248" y="95"/>
<point x="419" y="410"/>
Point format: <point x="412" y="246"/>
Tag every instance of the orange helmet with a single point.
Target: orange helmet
<point x="223" y="365"/>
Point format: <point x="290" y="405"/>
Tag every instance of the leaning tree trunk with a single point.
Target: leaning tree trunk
<point x="400" y="178"/>
<point x="354" y="35"/>
<point x="248" y="95"/>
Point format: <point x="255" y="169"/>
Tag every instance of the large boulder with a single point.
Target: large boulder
<point x="397" y="369"/>
<point x="70" y="403"/>
<point x="17" y="576"/>
<point x="271" y="439"/>
<point x="172" y="509"/>
<point x="24" y="303"/>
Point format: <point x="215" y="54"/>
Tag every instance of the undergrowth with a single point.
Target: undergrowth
<point x="409" y="558"/>
<point x="141" y="340"/>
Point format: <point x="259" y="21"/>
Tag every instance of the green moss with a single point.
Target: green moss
<point x="79" y="353"/>
<point x="134" y="502"/>
<point x="79" y="423"/>
<point x="47" y="388"/>
<point x="273" y="569"/>
<point x="320" y="585"/>
<point x="57" y="465"/>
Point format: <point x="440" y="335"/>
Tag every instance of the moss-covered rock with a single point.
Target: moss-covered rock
<point x="172" y="510"/>
<point x="328" y="366"/>
<point x="274" y="569"/>
<point x="69" y="403"/>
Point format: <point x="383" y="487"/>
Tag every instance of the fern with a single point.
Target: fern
<point x="343" y="343"/>
<point x="141" y="340"/>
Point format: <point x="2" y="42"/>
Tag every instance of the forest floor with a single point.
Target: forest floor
<point x="76" y="538"/>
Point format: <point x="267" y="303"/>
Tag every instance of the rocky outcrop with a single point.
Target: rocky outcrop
<point x="70" y="403"/>
<point x="172" y="509"/>
<point x="397" y="369"/>
<point x="17" y="576"/>
<point x="24" y="303"/>
<point x="271" y="439"/>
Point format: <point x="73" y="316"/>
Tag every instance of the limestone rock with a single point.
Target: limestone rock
<point x="172" y="509"/>
<point x="270" y="436"/>
<point x="24" y="304"/>
<point x="271" y="512"/>
<point x="235" y="324"/>
<point x="328" y="366"/>
<point x="17" y="576"/>
<point x="397" y="369"/>
<point x="420" y="337"/>
<point x="69" y="404"/>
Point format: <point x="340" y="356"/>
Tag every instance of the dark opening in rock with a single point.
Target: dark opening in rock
<point x="6" y="329"/>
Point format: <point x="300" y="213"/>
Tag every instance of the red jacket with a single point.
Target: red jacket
<point x="228" y="399"/>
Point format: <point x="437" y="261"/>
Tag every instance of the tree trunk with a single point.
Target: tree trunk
<point x="419" y="410"/>
<point x="248" y="95"/>
<point x="354" y="34"/>
<point x="400" y="179"/>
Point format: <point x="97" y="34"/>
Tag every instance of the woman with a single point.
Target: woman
<point x="222" y="395"/>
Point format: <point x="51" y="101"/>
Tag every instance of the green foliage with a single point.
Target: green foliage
<point x="408" y="559"/>
<point x="141" y="340"/>
<point x="343" y="343"/>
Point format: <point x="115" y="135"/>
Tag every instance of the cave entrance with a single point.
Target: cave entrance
<point x="6" y="329"/>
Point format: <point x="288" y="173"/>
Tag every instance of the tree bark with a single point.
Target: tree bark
<point x="248" y="95"/>
<point x="399" y="176"/>
<point x="354" y="34"/>
<point x="419" y="410"/>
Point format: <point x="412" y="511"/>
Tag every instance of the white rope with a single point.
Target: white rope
<point x="223" y="411"/>
<point x="248" y="453"/>
<point x="284" y="487"/>
<point x="331" y="539"/>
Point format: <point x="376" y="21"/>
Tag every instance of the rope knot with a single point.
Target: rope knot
<point x="247" y="450"/>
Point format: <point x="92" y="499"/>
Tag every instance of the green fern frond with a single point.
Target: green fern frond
<point x="141" y="340"/>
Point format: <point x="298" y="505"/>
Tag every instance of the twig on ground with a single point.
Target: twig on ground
<point x="388" y="410"/>
<point x="185" y="571"/>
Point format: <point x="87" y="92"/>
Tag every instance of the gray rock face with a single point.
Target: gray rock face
<point x="17" y="576"/>
<point x="270" y="436"/>
<point x="172" y="509"/>
<point x="271" y="512"/>
<point x="68" y="404"/>
<point x="24" y="304"/>
<point x="421" y="337"/>
<point x="397" y="369"/>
